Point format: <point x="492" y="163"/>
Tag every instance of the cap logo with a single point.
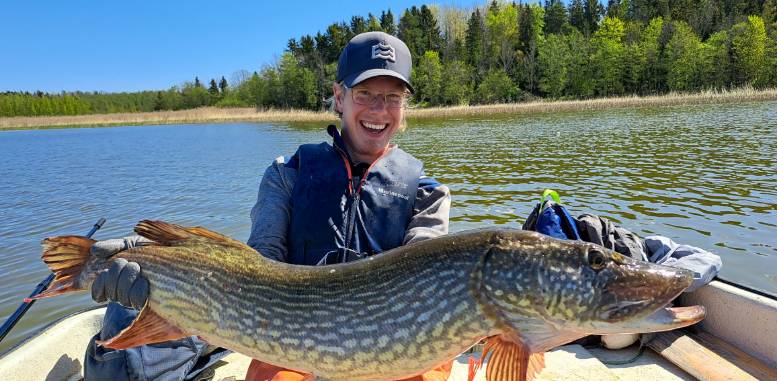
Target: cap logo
<point x="384" y="51"/>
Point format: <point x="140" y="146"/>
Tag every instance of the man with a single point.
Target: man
<point x="359" y="196"/>
<point x="329" y="203"/>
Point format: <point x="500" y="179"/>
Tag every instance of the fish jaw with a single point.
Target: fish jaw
<point x="664" y="319"/>
<point x="636" y="289"/>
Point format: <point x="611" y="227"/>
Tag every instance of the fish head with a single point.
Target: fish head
<point x="543" y="283"/>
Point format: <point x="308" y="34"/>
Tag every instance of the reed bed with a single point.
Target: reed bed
<point x="546" y="106"/>
<point x="218" y="115"/>
<point x="198" y="115"/>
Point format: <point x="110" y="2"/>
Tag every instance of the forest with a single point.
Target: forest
<point x="499" y="52"/>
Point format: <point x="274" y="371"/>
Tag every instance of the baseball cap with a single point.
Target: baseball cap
<point x="373" y="54"/>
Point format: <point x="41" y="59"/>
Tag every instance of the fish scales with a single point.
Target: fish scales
<point x="401" y="310"/>
<point x="392" y="315"/>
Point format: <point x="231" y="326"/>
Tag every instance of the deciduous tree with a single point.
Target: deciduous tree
<point x="427" y="79"/>
<point x="748" y="49"/>
<point x="553" y="62"/>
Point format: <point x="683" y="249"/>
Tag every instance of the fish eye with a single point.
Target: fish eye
<point x="596" y="259"/>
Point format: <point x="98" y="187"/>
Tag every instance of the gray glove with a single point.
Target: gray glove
<point x="122" y="282"/>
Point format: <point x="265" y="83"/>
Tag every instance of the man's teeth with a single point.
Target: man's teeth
<point x="374" y="126"/>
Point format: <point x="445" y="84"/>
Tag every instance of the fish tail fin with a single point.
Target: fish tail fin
<point x="67" y="257"/>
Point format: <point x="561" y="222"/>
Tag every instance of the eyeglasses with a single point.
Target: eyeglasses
<point x="365" y="97"/>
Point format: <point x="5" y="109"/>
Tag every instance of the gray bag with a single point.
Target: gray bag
<point x="601" y="231"/>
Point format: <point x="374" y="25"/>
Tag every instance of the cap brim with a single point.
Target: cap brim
<point x="367" y="74"/>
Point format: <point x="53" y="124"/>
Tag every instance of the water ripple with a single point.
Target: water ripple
<point x="702" y="175"/>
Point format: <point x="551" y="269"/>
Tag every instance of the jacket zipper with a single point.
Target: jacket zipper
<point x="354" y="192"/>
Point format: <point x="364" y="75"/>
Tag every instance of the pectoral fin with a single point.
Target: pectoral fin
<point x="147" y="328"/>
<point x="511" y="360"/>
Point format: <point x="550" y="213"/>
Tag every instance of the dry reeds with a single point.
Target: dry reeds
<point x="544" y="106"/>
<point x="198" y="115"/>
<point x="217" y="115"/>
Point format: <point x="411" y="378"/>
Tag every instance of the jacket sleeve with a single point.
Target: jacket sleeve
<point x="431" y="212"/>
<point x="271" y="215"/>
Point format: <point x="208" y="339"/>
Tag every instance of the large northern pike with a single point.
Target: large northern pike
<point x="392" y="315"/>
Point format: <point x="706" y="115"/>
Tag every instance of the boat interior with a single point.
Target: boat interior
<point x="736" y="341"/>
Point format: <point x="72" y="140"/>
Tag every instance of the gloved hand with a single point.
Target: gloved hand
<point x="122" y="282"/>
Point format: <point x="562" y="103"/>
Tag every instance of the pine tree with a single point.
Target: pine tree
<point x="577" y="17"/>
<point x="333" y="41"/>
<point x="409" y="30"/>
<point x="430" y="31"/>
<point x="531" y="23"/>
<point x="160" y="102"/>
<point x="358" y="25"/>
<point x="292" y="46"/>
<point x="705" y="18"/>
<point x="555" y="16"/>
<point x="617" y="8"/>
<point x="593" y="12"/>
<point x="473" y="43"/>
<point x="214" y="88"/>
<point x="223" y="86"/>
<point x="769" y="12"/>
<point x="387" y="22"/>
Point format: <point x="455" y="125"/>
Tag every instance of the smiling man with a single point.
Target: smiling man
<point x="359" y="195"/>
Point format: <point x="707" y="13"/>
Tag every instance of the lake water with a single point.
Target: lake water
<point x="701" y="175"/>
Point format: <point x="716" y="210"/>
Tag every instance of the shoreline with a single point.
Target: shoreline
<point x="248" y="114"/>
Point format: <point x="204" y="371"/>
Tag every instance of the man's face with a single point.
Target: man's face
<point x="368" y="128"/>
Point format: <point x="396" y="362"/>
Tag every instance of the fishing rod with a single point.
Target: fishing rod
<point x="17" y="315"/>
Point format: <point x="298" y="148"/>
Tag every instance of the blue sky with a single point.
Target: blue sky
<point x="133" y="45"/>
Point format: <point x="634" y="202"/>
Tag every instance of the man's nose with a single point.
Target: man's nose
<point x="379" y="104"/>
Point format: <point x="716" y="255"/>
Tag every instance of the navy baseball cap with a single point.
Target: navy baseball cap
<point x="373" y="54"/>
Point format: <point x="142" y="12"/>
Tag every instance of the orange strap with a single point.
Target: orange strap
<point x="440" y="373"/>
<point x="260" y="371"/>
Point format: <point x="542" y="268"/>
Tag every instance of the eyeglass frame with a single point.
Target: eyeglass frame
<point x="405" y="96"/>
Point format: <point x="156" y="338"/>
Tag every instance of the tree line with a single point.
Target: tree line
<point x="498" y="52"/>
<point x="189" y="95"/>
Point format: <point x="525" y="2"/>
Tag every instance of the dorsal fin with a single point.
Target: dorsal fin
<point x="202" y="232"/>
<point x="168" y="234"/>
<point x="147" y="328"/>
<point x="511" y="360"/>
<point x="162" y="232"/>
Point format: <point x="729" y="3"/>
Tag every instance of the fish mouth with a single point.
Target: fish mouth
<point x="664" y="319"/>
<point x="669" y="318"/>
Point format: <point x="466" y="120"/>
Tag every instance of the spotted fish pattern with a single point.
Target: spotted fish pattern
<point x="389" y="316"/>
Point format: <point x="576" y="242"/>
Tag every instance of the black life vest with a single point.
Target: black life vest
<point x="337" y="217"/>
